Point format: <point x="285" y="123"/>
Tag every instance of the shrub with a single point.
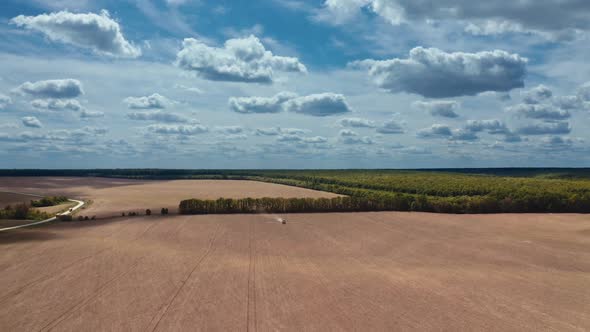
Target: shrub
<point x="86" y="218"/>
<point x="122" y="214"/>
<point x="164" y="211"/>
<point x="148" y="212"/>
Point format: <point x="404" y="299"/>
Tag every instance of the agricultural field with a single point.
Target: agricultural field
<point x="110" y="197"/>
<point x="379" y="270"/>
<point x="8" y="198"/>
<point x="337" y="271"/>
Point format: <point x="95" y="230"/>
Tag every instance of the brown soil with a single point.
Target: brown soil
<point x="13" y="199"/>
<point x="110" y="197"/>
<point x="319" y="272"/>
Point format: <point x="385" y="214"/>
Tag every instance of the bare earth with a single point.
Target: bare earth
<point x="7" y="198"/>
<point x="319" y="272"/>
<point x="110" y="197"/>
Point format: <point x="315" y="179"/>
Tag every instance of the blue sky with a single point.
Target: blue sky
<point x="294" y="84"/>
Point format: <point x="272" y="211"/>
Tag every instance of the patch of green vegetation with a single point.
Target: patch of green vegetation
<point x="49" y="201"/>
<point x="22" y="212"/>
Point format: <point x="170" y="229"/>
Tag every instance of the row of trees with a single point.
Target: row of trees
<point x="372" y="201"/>
<point x="49" y="201"/>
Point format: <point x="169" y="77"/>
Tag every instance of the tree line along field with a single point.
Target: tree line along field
<point x="447" y="191"/>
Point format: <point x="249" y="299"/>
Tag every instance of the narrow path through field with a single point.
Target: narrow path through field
<point x="158" y="318"/>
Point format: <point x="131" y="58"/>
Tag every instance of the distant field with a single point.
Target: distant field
<point x="444" y="191"/>
<point x="12" y="199"/>
<point x="377" y="271"/>
<point x="111" y="197"/>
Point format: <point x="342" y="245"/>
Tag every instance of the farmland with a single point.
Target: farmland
<point x="319" y="271"/>
<point x="443" y="191"/>
<point x="111" y="197"/>
<point x="356" y="271"/>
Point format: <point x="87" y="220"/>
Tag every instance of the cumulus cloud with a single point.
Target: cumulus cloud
<point x="4" y="101"/>
<point x="433" y="73"/>
<point x="537" y="95"/>
<point x="58" y="89"/>
<point x="57" y="104"/>
<point x="350" y="137"/>
<point x="532" y="111"/>
<point x="435" y="131"/>
<point x="159" y="116"/>
<point x="232" y="130"/>
<point x="99" y="33"/>
<point x="356" y="123"/>
<point x="260" y="104"/>
<point x="443" y="108"/>
<point x="301" y="139"/>
<point x="154" y="101"/>
<point x="278" y="131"/>
<point x="32" y="122"/>
<point x="546" y="128"/>
<point x="492" y="126"/>
<point x="85" y="114"/>
<point x="568" y="16"/>
<point x="570" y="103"/>
<point x="584" y="92"/>
<point x="464" y="135"/>
<point x="322" y="104"/>
<point x="557" y="142"/>
<point x="182" y="130"/>
<point x="390" y="127"/>
<point x="239" y="60"/>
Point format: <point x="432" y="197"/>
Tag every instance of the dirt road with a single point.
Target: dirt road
<point x="319" y="272"/>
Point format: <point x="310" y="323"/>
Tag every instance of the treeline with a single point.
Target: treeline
<point x="49" y="201"/>
<point x="371" y="201"/>
<point x="22" y="212"/>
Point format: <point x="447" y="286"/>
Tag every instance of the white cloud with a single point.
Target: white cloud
<point x="350" y="137"/>
<point x="443" y="108"/>
<point x="584" y="92"/>
<point x="549" y="128"/>
<point x="4" y="101"/>
<point x="158" y="116"/>
<point x="260" y="104"/>
<point x="390" y="127"/>
<point x="347" y="133"/>
<point x="322" y="104"/>
<point x="239" y="60"/>
<point x="154" y="101"/>
<point x="99" y="33"/>
<point x="278" y="131"/>
<point x="182" y="130"/>
<point x="492" y="126"/>
<point x="570" y="103"/>
<point x="230" y="130"/>
<point x="32" y="122"/>
<point x="85" y="114"/>
<point x="57" y="104"/>
<point x="435" y="131"/>
<point x="537" y="95"/>
<point x="356" y="123"/>
<point x="569" y="17"/>
<point x="533" y="111"/>
<point x="433" y="73"/>
<point x="296" y="138"/>
<point x="65" y="88"/>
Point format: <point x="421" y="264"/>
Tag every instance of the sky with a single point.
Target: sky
<point x="294" y="84"/>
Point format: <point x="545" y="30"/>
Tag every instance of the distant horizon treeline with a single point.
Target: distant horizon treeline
<point x="493" y="190"/>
